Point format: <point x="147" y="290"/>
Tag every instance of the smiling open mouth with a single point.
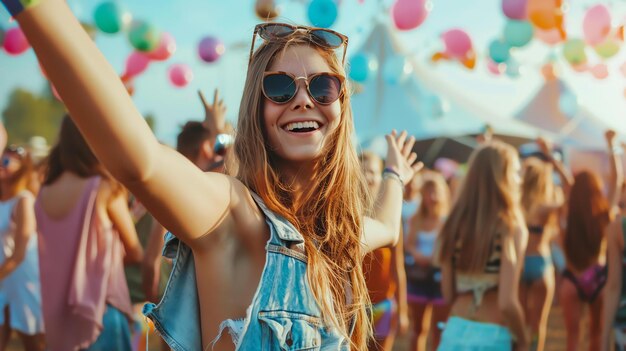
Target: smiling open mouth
<point x="302" y="127"/>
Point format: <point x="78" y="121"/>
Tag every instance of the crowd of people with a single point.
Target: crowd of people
<point x="281" y="234"/>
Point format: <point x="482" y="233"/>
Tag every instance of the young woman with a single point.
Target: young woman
<point x="590" y="216"/>
<point x="480" y="246"/>
<point x="86" y="234"/>
<point x="384" y="274"/>
<point x="540" y="206"/>
<point x="426" y="302"/>
<point x="292" y="227"/>
<point x="20" y="296"/>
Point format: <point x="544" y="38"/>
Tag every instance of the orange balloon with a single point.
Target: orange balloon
<point x="470" y="60"/>
<point x="545" y="14"/>
<point x="438" y="56"/>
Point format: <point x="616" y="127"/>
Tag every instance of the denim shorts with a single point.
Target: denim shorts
<point x="464" y="335"/>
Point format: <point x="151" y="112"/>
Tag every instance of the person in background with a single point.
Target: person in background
<point x="427" y="305"/>
<point x="20" y="291"/>
<point x="614" y="311"/>
<point x="478" y="251"/>
<point x="591" y="215"/>
<point x="540" y="206"/>
<point x="384" y="274"/>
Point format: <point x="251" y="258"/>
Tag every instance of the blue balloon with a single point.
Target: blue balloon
<point x="396" y="70"/>
<point x="499" y="51"/>
<point x="518" y="33"/>
<point x="322" y="13"/>
<point x="362" y="67"/>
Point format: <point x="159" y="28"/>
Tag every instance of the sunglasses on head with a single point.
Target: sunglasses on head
<point x="324" y="88"/>
<point x="320" y="36"/>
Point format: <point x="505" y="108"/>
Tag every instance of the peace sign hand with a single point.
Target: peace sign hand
<point x="214" y="114"/>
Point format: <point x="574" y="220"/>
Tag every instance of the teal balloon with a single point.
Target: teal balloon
<point x="143" y="36"/>
<point x="362" y="67"/>
<point x="110" y="17"/>
<point x="574" y="51"/>
<point x="499" y="51"/>
<point x="322" y="13"/>
<point x="518" y="33"/>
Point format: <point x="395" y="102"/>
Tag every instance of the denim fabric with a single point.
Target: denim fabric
<point x="464" y="335"/>
<point x="283" y="314"/>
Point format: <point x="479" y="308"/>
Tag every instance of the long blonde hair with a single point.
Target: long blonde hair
<point x="330" y="214"/>
<point x="487" y="207"/>
<point x="537" y="186"/>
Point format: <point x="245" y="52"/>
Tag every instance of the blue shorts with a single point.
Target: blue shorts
<point x="461" y="334"/>
<point x="116" y="332"/>
<point x="535" y="267"/>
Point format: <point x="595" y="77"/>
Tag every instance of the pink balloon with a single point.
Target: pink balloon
<point x="583" y="67"/>
<point x="596" y="24"/>
<point x="600" y="71"/>
<point x="211" y="49"/>
<point x="136" y="63"/>
<point x="180" y="75"/>
<point x="514" y="9"/>
<point x="15" y="41"/>
<point x="458" y="43"/>
<point x="550" y="37"/>
<point x="409" y="14"/>
<point x="493" y="67"/>
<point x="166" y="48"/>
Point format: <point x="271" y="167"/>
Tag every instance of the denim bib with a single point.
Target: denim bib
<point x="283" y="314"/>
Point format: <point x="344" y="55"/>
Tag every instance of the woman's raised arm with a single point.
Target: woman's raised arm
<point x="185" y="200"/>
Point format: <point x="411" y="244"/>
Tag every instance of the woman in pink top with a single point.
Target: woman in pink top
<point x="85" y="235"/>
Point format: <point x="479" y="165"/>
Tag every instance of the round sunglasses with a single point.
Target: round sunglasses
<point x="324" y="88"/>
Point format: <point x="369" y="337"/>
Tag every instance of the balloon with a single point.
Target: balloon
<point x="210" y="49"/>
<point x="458" y="43"/>
<point x="15" y="41"/>
<point x="165" y="49"/>
<point x="514" y="9"/>
<point x="581" y="67"/>
<point x="143" y="36"/>
<point x="596" y="24"/>
<point x="470" y="61"/>
<point x="518" y="33"/>
<point x="550" y="37"/>
<point x="322" y="13"/>
<point x="568" y="104"/>
<point x="266" y="10"/>
<point x="396" y="69"/>
<point x="545" y="14"/>
<point x="409" y="14"/>
<point x="362" y="66"/>
<point x="607" y="49"/>
<point x="136" y="63"/>
<point x="499" y="51"/>
<point x="600" y="71"/>
<point x="494" y="68"/>
<point x="110" y="17"/>
<point x="180" y="75"/>
<point x="574" y="51"/>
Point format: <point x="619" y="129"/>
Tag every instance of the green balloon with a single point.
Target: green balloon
<point x="143" y="36"/>
<point x="574" y="51"/>
<point x="518" y="33"/>
<point x="499" y="51"/>
<point x="607" y="49"/>
<point x="110" y="17"/>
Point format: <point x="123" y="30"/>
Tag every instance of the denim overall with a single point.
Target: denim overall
<point x="283" y="315"/>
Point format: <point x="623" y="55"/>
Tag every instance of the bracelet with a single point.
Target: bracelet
<point x="15" y="7"/>
<point x="389" y="173"/>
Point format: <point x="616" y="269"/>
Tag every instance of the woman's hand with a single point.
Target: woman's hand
<point x="400" y="157"/>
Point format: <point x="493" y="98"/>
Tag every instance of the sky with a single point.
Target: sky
<point x="233" y="22"/>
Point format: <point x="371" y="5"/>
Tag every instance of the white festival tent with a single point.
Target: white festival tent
<point x="380" y="106"/>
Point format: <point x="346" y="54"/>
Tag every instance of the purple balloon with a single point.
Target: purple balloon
<point x="514" y="9"/>
<point x="210" y="49"/>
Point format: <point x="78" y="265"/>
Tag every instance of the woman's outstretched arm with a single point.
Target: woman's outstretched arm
<point x="185" y="200"/>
